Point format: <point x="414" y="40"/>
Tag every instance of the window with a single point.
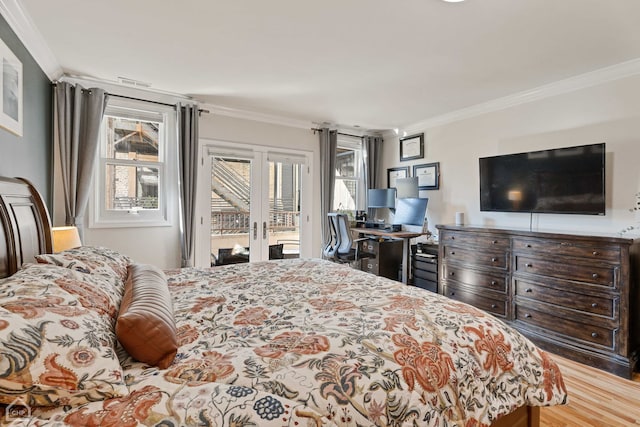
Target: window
<point x="132" y="173"/>
<point x="350" y="188"/>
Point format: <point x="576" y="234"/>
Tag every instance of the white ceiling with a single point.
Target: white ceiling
<point x="377" y="64"/>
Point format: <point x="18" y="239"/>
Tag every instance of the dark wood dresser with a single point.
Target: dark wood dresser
<point x="574" y="295"/>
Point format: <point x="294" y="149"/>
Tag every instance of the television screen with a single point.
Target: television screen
<point x="563" y="180"/>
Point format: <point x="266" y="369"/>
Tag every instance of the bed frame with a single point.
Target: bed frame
<point x="26" y="230"/>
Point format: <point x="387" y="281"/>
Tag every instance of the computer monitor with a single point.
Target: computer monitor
<point x="410" y="211"/>
<point x="381" y="198"/>
<point x="407" y="187"/>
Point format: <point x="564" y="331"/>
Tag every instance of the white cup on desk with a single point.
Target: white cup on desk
<point x="459" y="218"/>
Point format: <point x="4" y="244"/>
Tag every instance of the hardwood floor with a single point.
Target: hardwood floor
<point x="596" y="398"/>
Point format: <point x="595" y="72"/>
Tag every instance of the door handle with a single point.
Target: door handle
<point x="255" y="230"/>
<point x="264" y="230"/>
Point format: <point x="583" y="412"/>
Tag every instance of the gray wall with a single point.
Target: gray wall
<point x="29" y="156"/>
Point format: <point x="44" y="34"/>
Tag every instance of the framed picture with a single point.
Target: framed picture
<point x="428" y="176"/>
<point x="412" y="147"/>
<point x="10" y="90"/>
<point x="395" y="173"/>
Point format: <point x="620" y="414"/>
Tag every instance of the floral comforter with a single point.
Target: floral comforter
<point x="313" y="343"/>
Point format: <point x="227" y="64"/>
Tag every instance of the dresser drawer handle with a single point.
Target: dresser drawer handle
<point x="494" y="306"/>
<point x="528" y="245"/>
<point x="594" y="304"/>
<point x="494" y="259"/>
<point x="596" y="253"/>
<point x="529" y="265"/>
<point x="594" y="334"/>
<point x="452" y="273"/>
<point x="369" y="266"/>
<point x="494" y="242"/>
<point x="452" y="252"/>
<point x="493" y="283"/>
<point x="528" y="316"/>
<point x="452" y="293"/>
<point x="594" y="275"/>
<point x="453" y="237"/>
<point x="528" y="290"/>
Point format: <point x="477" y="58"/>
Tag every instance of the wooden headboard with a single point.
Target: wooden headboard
<point x="25" y="225"/>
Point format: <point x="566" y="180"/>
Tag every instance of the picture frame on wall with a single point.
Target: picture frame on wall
<point x="11" y="95"/>
<point x="428" y="176"/>
<point x="394" y="173"/>
<point x="412" y="147"/>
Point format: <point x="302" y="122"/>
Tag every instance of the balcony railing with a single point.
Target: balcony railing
<point x="237" y="222"/>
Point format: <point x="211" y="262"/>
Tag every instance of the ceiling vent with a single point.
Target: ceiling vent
<point x="131" y="82"/>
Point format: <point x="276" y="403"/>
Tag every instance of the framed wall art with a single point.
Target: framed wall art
<point x="10" y="90"/>
<point x="394" y="173"/>
<point x="428" y="176"/>
<point x="412" y="147"/>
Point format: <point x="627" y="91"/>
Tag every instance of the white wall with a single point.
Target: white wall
<point x="607" y="113"/>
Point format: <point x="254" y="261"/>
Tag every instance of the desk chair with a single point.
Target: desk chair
<point x="341" y="245"/>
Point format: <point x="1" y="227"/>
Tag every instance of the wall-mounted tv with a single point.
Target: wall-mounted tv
<point x="564" y="180"/>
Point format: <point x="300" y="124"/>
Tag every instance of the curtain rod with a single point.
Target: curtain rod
<point x="144" y="100"/>
<point x="339" y="133"/>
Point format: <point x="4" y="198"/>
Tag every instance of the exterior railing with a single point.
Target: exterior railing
<point x="123" y="202"/>
<point x="237" y="222"/>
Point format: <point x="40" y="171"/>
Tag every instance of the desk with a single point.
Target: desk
<point x="404" y="235"/>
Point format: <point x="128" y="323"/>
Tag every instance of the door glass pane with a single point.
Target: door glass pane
<point x="230" y="203"/>
<point x="284" y="210"/>
<point x="131" y="187"/>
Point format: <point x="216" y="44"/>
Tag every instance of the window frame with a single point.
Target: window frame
<point x="100" y="217"/>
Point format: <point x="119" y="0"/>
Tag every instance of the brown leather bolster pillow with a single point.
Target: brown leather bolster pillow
<point x="146" y="327"/>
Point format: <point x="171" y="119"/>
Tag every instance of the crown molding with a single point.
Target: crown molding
<point x="21" y="24"/>
<point x="582" y="81"/>
<point x="256" y="116"/>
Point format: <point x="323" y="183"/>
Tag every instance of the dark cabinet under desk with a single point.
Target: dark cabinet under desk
<point x="388" y="257"/>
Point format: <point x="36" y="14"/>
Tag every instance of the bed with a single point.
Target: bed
<point x="90" y="337"/>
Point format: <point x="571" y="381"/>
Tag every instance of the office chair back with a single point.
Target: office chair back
<point x="334" y="238"/>
<point x="340" y="247"/>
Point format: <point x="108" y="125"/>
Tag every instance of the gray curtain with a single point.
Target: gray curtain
<point x="372" y="147"/>
<point x="328" y="149"/>
<point x="188" y="164"/>
<point x="78" y="114"/>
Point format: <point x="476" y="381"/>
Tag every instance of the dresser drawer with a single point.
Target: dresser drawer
<point x="567" y="248"/>
<point x="478" y="257"/>
<point x="565" y="326"/>
<point x="476" y="278"/>
<point x="474" y="239"/>
<point x="596" y="275"/>
<point x="599" y="305"/>
<point x="489" y="303"/>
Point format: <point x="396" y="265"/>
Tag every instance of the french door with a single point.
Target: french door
<point x="252" y="204"/>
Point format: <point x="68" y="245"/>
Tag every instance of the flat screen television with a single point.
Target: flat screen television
<point x="564" y="180"/>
